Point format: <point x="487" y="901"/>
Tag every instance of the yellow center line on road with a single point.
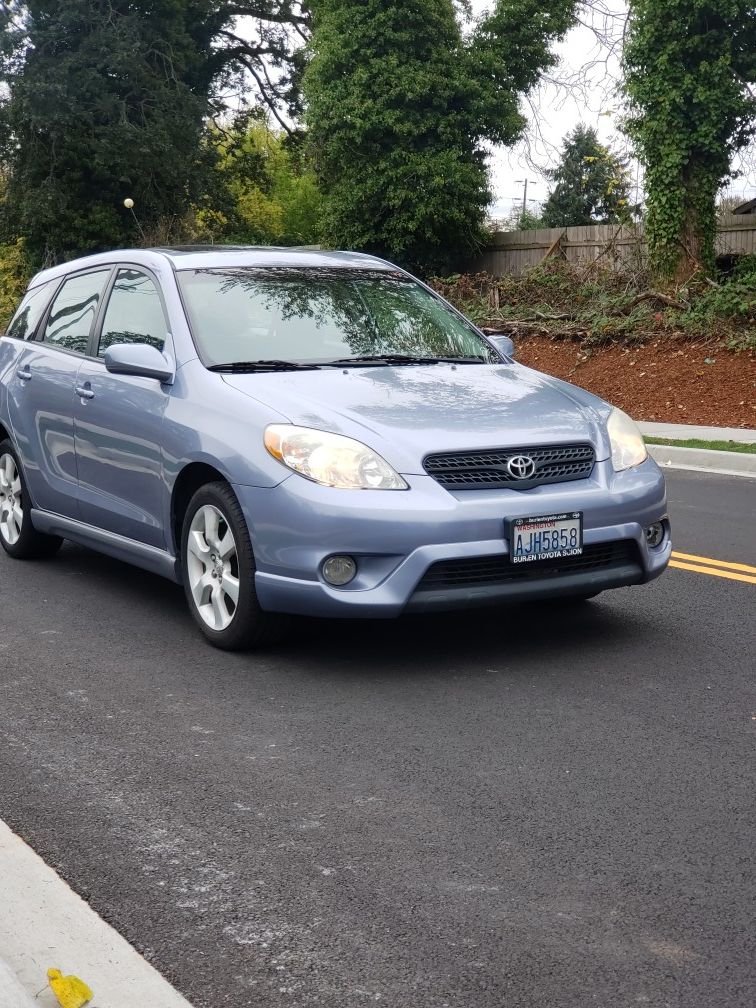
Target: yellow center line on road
<point x="708" y="562"/>
<point x="706" y="565"/>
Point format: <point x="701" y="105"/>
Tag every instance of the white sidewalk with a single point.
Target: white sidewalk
<point x="691" y="432"/>
<point x="43" y="924"/>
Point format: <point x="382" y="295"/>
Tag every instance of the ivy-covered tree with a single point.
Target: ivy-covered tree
<point x="399" y="104"/>
<point x="688" y="67"/>
<point x="107" y="100"/>
<point x="591" y="184"/>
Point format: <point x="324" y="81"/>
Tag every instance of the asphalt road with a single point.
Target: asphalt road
<point x="550" y="806"/>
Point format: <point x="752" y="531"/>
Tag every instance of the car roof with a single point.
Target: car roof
<point x="220" y="257"/>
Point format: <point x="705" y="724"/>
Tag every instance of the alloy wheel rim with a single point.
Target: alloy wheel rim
<point x="213" y="567"/>
<point x="11" y="510"/>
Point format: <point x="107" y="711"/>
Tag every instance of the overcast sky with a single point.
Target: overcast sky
<point x="557" y="107"/>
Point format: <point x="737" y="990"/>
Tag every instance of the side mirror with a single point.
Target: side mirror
<point x="140" y="360"/>
<point x="504" y="344"/>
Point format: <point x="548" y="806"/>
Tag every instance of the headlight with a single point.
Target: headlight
<point x="628" y="447"/>
<point x="331" y="459"/>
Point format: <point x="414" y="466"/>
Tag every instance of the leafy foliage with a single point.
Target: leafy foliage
<point x="733" y="302"/>
<point x="591" y="184"/>
<point x="107" y="101"/>
<point x="15" y="272"/>
<point x="596" y="304"/>
<point x="263" y="190"/>
<point x="687" y="68"/>
<point x="520" y="220"/>
<point x="398" y="106"/>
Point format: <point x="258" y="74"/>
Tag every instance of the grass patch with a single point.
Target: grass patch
<point x="744" y="448"/>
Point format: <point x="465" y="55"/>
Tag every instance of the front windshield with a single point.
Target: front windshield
<point x="320" y="316"/>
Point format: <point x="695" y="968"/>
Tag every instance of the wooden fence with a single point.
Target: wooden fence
<point x="512" y="252"/>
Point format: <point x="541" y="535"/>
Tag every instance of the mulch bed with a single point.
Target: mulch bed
<point x="665" y="380"/>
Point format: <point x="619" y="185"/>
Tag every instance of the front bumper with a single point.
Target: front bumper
<point x="396" y="536"/>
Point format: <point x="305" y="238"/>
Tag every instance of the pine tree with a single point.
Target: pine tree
<point x="591" y="184"/>
<point x="107" y="100"/>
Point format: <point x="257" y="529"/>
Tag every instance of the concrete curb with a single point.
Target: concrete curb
<point x="721" y="463"/>
<point x="12" y="994"/>
<point x="43" y="923"/>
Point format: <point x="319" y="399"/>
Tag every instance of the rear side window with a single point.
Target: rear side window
<point x="73" y="311"/>
<point x="30" y="311"/>
<point x="134" y="313"/>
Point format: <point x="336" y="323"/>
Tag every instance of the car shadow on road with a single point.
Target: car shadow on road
<point x="417" y="644"/>
<point x="517" y="634"/>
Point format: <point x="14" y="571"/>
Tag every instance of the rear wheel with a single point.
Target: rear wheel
<point x="18" y="537"/>
<point x="218" y="569"/>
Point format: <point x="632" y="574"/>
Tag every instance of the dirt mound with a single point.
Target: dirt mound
<point x="664" y="380"/>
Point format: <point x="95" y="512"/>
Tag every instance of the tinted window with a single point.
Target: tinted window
<point x="73" y="311"/>
<point x="319" y="315"/>
<point x="30" y="311"/>
<point x="134" y="313"/>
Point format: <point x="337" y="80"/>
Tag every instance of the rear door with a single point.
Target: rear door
<point x="119" y="421"/>
<point x="42" y="393"/>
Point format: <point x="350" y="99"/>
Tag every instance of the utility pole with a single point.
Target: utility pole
<point x="524" y="182"/>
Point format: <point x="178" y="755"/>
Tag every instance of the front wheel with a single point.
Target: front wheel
<point x="218" y="569"/>
<point x="18" y="537"/>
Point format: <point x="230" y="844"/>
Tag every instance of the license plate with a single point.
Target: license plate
<point x="549" y="537"/>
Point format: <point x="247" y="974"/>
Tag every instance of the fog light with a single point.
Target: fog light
<point x="339" y="570"/>
<point x="655" y="534"/>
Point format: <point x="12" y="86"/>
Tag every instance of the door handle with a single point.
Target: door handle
<point x="84" y="392"/>
<point x="24" y="373"/>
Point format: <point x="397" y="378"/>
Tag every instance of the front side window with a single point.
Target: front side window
<point x="24" y="323"/>
<point x="134" y="313"/>
<point x="73" y="311"/>
<point x="319" y="316"/>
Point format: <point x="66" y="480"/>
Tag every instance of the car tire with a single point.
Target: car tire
<point x="218" y="572"/>
<point x="18" y="537"/>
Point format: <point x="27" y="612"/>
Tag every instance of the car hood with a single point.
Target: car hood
<point x="406" y="412"/>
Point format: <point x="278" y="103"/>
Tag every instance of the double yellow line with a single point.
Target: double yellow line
<point x="716" y="568"/>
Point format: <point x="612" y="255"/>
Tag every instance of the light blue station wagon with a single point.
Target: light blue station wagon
<point x="289" y="431"/>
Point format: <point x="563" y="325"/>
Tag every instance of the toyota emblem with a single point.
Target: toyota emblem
<point x="521" y="467"/>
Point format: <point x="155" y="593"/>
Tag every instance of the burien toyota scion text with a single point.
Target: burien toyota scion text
<point x="288" y="431"/>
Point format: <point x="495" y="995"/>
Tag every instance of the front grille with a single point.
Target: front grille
<point x="487" y="470"/>
<point x="493" y="570"/>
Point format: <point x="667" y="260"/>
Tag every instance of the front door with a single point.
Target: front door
<point x="42" y="394"/>
<point x="120" y="418"/>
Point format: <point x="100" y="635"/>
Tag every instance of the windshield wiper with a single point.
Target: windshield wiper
<point x="263" y="365"/>
<point x="379" y="360"/>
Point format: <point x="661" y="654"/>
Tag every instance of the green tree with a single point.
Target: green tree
<point x="399" y="103"/>
<point x="591" y="184"/>
<point x="688" y="67"/>
<point x="264" y="191"/>
<point x="107" y="100"/>
<point x="524" y="220"/>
